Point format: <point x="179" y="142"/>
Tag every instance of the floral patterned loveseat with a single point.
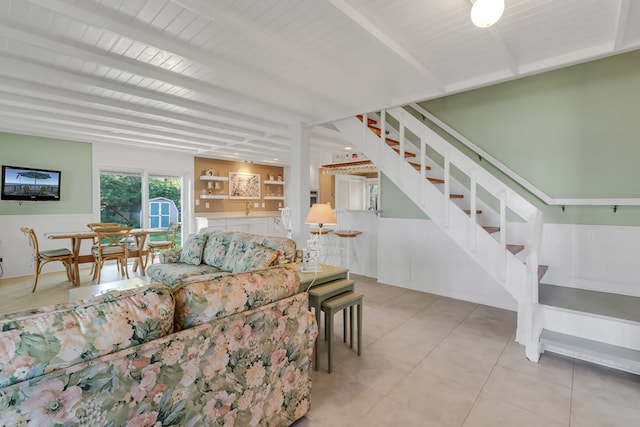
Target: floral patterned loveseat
<point x="233" y="351"/>
<point x="215" y="252"/>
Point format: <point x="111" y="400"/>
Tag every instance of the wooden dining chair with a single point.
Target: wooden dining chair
<point x="112" y="243"/>
<point x="169" y="241"/>
<point x="92" y="226"/>
<point x="40" y="258"/>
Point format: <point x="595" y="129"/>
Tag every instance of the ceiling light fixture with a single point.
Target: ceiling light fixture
<point x="485" y="13"/>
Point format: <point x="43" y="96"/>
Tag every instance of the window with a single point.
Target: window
<point x="121" y="198"/>
<point x="159" y="214"/>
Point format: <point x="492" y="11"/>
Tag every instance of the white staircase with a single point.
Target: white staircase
<point x="500" y="230"/>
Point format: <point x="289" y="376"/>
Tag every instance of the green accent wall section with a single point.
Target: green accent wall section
<point x="396" y="204"/>
<point x="73" y="159"/>
<point x="573" y="133"/>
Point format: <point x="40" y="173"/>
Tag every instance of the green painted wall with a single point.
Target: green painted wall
<point x="72" y="158"/>
<point x="573" y="133"/>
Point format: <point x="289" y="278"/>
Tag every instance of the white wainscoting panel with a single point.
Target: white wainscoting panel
<point x="416" y="254"/>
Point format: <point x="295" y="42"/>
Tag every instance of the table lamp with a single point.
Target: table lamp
<point x="321" y="214"/>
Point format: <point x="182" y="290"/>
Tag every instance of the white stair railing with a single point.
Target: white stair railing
<point x="517" y="277"/>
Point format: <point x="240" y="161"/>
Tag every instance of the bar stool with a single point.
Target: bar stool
<point x="341" y="303"/>
<point x="346" y="245"/>
<point x="319" y="294"/>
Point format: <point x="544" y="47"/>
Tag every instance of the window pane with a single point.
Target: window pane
<point x="120" y="198"/>
<point x="154" y="208"/>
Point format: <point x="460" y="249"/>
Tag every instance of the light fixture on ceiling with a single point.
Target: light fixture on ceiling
<point x="485" y="13"/>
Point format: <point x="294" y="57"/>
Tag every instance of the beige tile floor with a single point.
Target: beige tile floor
<point x="431" y="361"/>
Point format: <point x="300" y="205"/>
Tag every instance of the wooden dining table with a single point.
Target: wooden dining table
<point x="138" y="251"/>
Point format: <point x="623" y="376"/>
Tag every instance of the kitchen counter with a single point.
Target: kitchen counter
<point x="259" y="222"/>
<point x="241" y="214"/>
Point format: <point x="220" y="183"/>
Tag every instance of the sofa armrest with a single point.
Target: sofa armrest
<point x="170" y="256"/>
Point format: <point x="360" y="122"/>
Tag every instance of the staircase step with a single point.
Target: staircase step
<point x="417" y="166"/>
<point x="491" y="229"/>
<point x="514" y="249"/>
<point x="392" y="142"/>
<point x="435" y="180"/>
<point x="542" y="270"/>
<point x="468" y="211"/>
<point x="587" y="301"/>
<point x="406" y="153"/>
<point x="376" y="130"/>
<point x="369" y="120"/>
<point x="622" y="358"/>
<point x="456" y="196"/>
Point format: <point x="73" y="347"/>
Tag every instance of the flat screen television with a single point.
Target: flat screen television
<point x="20" y="183"/>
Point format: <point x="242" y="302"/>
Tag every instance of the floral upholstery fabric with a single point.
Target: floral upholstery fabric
<point x="33" y="343"/>
<point x="216" y="249"/>
<point x="222" y="251"/>
<point x="257" y="256"/>
<point x="172" y="275"/>
<point x="192" y="249"/>
<point x="203" y="300"/>
<point x="247" y="369"/>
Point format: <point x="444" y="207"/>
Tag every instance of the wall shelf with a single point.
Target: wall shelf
<point x="214" y="196"/>
<point x="213" y="178"/>
<point x="274" y="197"/>
<point x="268" y="181"/>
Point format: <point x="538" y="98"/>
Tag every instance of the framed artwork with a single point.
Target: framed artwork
<point x="244" y="185"/>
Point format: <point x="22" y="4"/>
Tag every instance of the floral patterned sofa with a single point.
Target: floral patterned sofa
<point x="233" y="351"/>
<point x="215" y="252"/>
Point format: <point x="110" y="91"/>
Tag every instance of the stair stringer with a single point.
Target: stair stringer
<point x="518" y="278"/>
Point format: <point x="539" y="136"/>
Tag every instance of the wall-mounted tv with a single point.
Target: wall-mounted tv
<point x="20" y="183"/>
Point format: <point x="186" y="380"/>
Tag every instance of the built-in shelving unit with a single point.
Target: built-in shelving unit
<point x="218" y="188"/>
<point x="214" y="196"/>
<point x="213" y="178"/>
<point x="280" y="189"/>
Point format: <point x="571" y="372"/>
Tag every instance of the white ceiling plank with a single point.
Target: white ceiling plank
<point x="134" y="31"/>
<point x="233" y="99"/>
<point x="387" y="41"/>
<point x="21" y="86"/>
<point x="173" y="75"/>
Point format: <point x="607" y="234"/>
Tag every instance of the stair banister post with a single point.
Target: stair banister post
<point x="383" y="131"/>
<point x="503" y="233"/>
<point x="365" y="129"/>
<point x="473" y="206"/>
<point x="423" y="166"/>
<point x="447" y="186"/>
<point x="401" y="156"/>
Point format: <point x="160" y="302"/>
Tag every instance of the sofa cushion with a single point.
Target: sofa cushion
<point x="35" y="342"/>
<point x="237" y="245"/>
<point x="204" y="299"/>
<point x="256" y="256"/>
<point x="192" y="249"/>
<point x="216" y="248"/>
<point x="172" y="275"/>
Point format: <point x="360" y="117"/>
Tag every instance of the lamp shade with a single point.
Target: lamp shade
<point x="321" y="213"/>
<point x="485" y="13"/>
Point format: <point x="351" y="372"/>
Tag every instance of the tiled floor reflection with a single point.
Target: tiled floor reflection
<point x="431" y="361"/>
<point x="435" y="361"/>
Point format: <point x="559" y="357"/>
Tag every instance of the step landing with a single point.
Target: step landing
<point x="613" y="356"/>
<point x="595" y="302"/>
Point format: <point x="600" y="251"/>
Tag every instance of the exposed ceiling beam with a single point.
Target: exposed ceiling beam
<point x="111" y="117"/>
<point x="241" y="102"/>
<point x="14" y="66"/>
<point x="387" y="41"/>
<point x="14" y="85"/>
<point x="134" y="30"/>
